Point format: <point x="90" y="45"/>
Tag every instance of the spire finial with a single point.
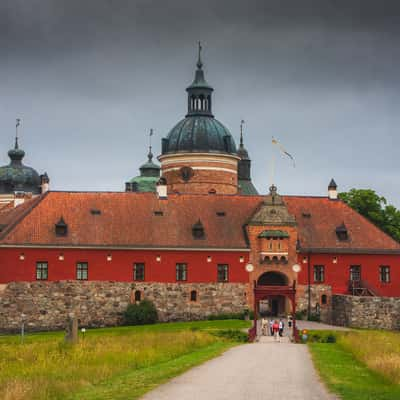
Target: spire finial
<point x="241" y="132"/>
<point x="199" y="63"/>
<point x="17" y="124"/>
<point x="150" y="155"/>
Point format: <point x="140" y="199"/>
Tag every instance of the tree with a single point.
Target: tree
<point x="375" y="209"/>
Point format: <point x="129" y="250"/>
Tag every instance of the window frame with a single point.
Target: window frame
<point x="135" y="271"/>
<point x="40" y="269"/>
<point x="319" y="273"/>
<point x="384" y="272"/>
<point x="81" y="267"/>
<point x="223" y="269"/>
<point x="355" y="267"/>
<point x="181" y="272"/>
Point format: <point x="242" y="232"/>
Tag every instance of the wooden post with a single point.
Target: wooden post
<point x="71" y="330"/>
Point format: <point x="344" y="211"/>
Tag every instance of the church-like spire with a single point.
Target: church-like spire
<point x="199" y="92"/>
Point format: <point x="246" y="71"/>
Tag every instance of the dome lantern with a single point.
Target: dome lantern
<point x="199" y="92"/>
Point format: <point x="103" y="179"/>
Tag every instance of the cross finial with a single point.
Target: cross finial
<point x="241" y="132"/>
<point x="17" y="124"/>
<point x="199" y="63"/>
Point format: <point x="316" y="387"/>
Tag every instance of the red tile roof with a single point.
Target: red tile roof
<point x="318" y="218"/>
<point x="128" y="219"/>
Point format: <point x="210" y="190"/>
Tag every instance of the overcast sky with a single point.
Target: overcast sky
<point x="90" y="78"/>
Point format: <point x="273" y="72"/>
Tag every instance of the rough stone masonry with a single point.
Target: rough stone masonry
<point x="48" y="305"/>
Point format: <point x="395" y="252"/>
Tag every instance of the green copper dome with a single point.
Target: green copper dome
<point x="17" y="177"/>
<point x="201" y="134"/>
<point x="149" y="176"/>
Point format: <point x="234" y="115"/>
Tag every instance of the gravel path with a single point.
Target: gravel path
<point x="255" y="371"/>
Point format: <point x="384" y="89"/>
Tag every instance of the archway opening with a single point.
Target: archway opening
<point x="273" y="278"/>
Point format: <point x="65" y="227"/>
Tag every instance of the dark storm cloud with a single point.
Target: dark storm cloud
<point x="89" y="78"/>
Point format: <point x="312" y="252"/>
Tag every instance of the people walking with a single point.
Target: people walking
<point x="271" y="329"/>
<point x="281" y="327"/>
<point x="275" y="328"/>
<point x="264" y="326"/>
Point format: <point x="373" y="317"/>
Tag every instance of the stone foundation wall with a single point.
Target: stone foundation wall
<point x="366" y="312"/>
<point x="317" y="291"/>
<point x="47" y="305"/>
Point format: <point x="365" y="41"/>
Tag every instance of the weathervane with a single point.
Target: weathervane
<point x="150" y="135"/>
<point x="241" y="132"/>
<point x="17" y="124"/>
<point x="199" y="63"/>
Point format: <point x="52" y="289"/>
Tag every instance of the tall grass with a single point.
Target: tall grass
<point x="50" y="369"/>
<point x="379" y="350"/>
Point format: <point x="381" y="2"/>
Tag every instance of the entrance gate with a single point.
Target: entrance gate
<point x="262" y="292"/>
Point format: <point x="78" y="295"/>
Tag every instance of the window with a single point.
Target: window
<point x="319" y="273"/>
<point x="138" y="295"/>
<point x="193" y="295"/>
<point x="82" y="271"/>
<point x="138" y="272"/>
<point x="61" y="228"/>
<point x="342" y="233"/>
<point x="198" y="230"/>
<point x="384" y="273"/>
<point x="41" y="270"/>
<point x="222" y="274"/>
<point x="324" y="299"/>
<point x="181" y="272"/>
<point x="355" y="273"/>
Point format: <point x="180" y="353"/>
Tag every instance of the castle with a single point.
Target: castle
<point x="193" y="235"/>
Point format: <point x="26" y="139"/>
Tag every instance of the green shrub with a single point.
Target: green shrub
<point x="321" y="337"/>
<point x="232" y="334"/>
<point x="241" y="315"/>
<point x="141" y="314"/>
<point x="299" y="315"/>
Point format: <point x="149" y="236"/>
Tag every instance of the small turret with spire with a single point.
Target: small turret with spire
<point x="199" y="92"/>
<point x="244" y="167"/>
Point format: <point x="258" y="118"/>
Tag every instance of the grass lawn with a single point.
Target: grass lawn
<point x="110" y="363"/>
<point x="362" y="365"/>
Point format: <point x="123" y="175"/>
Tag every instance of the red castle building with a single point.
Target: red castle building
<point x="197" y="228"/>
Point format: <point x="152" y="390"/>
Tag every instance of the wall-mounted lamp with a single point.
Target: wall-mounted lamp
<point x="209" y="258"/>
<point x="158" y="258"/>
<point x="22" y="256"/>
<point x="109" y="257"/>
<point x="304" y="260"/>
<point x="61" y="257"/>
<point x="241" y="259"/>
<point x="334" y="260"/>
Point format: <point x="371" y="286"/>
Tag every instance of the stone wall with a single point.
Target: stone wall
<point x="366" y="312"/>
<point x="46" y="305"/>
<point x="316" y="292"/>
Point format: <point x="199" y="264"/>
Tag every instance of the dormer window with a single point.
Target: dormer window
<point x="341" y="232"/>
<point x="198" y="230"/>
<point x="61" y="228"/>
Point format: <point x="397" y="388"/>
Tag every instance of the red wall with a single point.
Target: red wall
<point x="121" y="266"/>
<point x="338" y="275"/>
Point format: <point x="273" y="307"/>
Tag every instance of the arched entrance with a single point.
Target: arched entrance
<point x="272" y="291"/>
<point x="272" y="278"/>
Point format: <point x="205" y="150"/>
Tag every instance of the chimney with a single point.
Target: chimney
<point x="44" y="183"/>
<point x="19" y="198"/>
<point x="161" y="188"/>
<point x="332" y="190"/>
